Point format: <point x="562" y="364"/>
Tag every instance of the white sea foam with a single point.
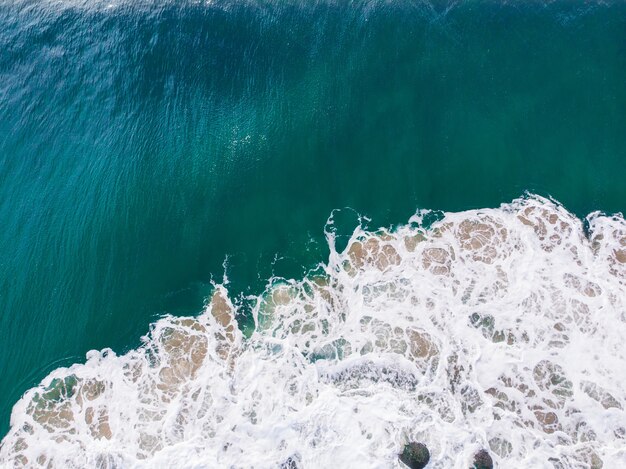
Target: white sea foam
<point x="502" y="329"/>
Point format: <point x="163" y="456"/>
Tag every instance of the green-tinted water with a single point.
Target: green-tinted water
<point x="144" y="146"/>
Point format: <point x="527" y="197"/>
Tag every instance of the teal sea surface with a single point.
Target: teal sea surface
<point x="150" y="147"/>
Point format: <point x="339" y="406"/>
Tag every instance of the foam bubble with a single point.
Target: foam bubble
<point x="497" y="328"/>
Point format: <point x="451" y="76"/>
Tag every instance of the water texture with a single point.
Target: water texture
<point x="149" y="148"/>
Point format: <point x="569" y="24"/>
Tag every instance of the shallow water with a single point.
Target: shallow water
<point x="149" y="148"/>
<point x="497" y="328"/>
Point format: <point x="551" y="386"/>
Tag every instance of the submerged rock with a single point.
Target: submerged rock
<point x="415" y="455"/>
<point x="290" y="463"/>
<point x="482" y="460"/>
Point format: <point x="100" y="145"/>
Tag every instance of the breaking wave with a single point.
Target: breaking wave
<point x="501" y="329"/>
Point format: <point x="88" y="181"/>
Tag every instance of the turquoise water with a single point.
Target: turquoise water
<point x="148" y="147"/>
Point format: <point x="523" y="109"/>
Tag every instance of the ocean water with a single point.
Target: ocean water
<point x="171" y="170"/>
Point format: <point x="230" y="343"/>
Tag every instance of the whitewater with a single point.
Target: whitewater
<point x="501" y="329"/>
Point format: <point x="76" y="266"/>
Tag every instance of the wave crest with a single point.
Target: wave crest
<point x="495" y="328"/>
